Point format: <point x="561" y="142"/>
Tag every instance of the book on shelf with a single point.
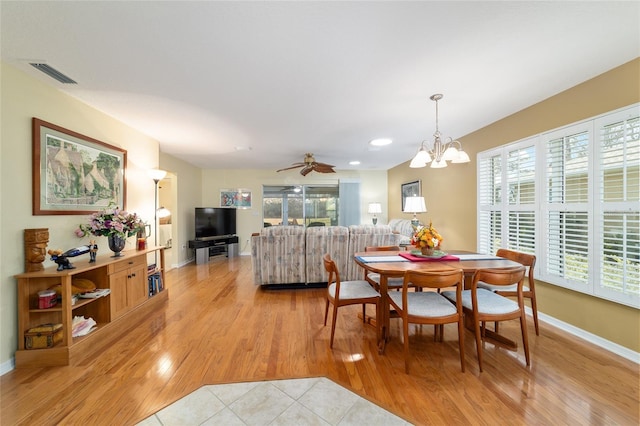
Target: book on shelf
<point x="155" y="284"/>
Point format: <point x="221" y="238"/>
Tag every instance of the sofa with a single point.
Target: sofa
<point x="292" y="255"/>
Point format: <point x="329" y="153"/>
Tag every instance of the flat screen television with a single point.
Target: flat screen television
<point x="212" y="222"/>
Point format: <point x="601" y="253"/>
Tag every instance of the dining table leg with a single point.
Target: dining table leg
<point x="383" y="322"/>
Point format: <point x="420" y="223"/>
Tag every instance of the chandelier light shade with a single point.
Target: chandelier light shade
<point x="415" y="205"/>
<point x="374" y="209"/>
<point x="439" y="153"/>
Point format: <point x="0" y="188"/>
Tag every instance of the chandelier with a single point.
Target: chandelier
<point x="440" y="152"/>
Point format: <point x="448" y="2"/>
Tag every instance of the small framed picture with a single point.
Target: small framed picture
<point x="410" y="189"/>
<point x="239" y="198"/>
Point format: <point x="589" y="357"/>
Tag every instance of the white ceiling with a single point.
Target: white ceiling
<point x="285" y="78"/>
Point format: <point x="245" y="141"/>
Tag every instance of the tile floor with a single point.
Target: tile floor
<point x="316" y="401"/>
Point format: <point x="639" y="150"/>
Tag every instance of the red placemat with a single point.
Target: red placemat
<point x="414" y="258"/>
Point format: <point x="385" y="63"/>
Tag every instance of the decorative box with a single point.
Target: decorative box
<point x="43" y="336"/>
<point x="47" y="299"/>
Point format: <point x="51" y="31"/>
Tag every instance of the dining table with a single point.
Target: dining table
<point x="391" y="264"/>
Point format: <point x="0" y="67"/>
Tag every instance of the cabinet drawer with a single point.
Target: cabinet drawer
<point x="127" y="263"/>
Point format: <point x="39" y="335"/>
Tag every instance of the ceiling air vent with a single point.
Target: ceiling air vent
<point x="53" y="73"/>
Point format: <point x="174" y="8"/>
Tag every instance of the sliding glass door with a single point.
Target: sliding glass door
<point x="308" y="205"/>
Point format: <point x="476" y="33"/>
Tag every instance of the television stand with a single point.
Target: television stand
<point x="214" y="247"/>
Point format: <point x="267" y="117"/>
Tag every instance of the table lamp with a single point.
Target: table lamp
<point x="375" y="208"/>
<point x="414" y="205"/>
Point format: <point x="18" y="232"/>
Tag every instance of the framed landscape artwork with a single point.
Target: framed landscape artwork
<point x="238" y="198"/>
<point x="74" y="174"/>
<point x="410" y="189"/>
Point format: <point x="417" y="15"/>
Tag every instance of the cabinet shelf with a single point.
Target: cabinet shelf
<point x="115" y="313"/>
<point x="57" y="308"/>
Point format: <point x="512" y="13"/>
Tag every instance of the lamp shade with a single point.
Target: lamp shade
<point x="163" y="212"/>
<point x="157" y="175"/>
<point x="414" y="205"/>
<point x="375" y="208"/>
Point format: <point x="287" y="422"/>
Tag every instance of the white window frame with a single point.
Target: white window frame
<point x="593" y="207"/>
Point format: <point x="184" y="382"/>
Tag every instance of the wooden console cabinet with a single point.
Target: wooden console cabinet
<point x="128" y="303"/>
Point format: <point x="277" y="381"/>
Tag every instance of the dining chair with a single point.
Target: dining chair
<point x="528" y="291"/>
<point x="483" y="305"/>
<point x="343" y="293"/>
<point x="430" y="307"/>
<point x="393" y="283"/>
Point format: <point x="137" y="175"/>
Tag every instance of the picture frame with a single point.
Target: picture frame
<point x="74" y="174"/>
<point x="410" y="189"/>
<point x="239" y="198"/>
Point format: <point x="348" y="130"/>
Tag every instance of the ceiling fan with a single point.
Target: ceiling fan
<point x="310" y="164"/>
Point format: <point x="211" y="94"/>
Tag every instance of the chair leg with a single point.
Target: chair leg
<point x="461" y="342"/>
<point x="476" y="325"/>
<point x="333" y="324"/>
<point x="364" y="313"/>
<point x="405" y="327"/>
<point x="525" y="337"/>
<point x="326" y="312"/>
<point x="534" y="309"/>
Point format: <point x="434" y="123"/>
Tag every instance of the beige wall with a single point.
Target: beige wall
<point x="187" y="192"/>
<point x="24" y="97"/>
<point x="372" y="185"/>
<point x="450" y="193"/>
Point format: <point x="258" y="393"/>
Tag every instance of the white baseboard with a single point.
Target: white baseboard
<point x="589" y="337"/>
<point x="7" y="366"/>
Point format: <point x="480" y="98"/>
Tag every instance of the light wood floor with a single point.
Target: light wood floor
<point x="217" y="327"/>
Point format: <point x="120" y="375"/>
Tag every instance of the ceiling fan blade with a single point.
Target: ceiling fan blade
<point x="306" y="170"/>
<point x="295" y="166"/>
<point x="324" y="168"/>
<point x="325" y="165"/>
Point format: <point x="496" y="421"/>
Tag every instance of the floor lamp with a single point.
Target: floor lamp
<point x="157" y="175"/>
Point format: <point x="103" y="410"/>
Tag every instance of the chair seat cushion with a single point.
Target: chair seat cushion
<point x="512" y="287"/>
<point x="353" y="290"/>
<point x="488" y="302"/>
<point x="395" y="282"/>
<point x="426" y="304"/>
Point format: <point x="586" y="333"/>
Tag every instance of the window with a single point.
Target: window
<point x="309" y="205"/>
<point x="571" y="197"/>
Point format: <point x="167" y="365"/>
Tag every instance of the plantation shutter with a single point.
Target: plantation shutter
<point x="619" y="196"/>
<point x="567" y="218"/>
<point x="490" y="204"/>
<point x="521" y="179"/>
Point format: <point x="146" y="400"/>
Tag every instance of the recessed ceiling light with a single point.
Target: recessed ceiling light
<point x="354" y="163"/>
<point x="381" y="142"/>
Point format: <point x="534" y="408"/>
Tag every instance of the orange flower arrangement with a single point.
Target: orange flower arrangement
<point x="426" y="236"/>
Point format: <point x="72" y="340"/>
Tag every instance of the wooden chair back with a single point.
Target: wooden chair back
<point x="529" y="261"/>
<point x="500" y="277"/>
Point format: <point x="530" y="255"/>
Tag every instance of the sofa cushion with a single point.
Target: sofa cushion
<point x="278" y="255"/>
<point x="326" y="239"/>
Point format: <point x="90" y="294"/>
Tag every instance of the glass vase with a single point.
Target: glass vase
<point x="116" y="244"/>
